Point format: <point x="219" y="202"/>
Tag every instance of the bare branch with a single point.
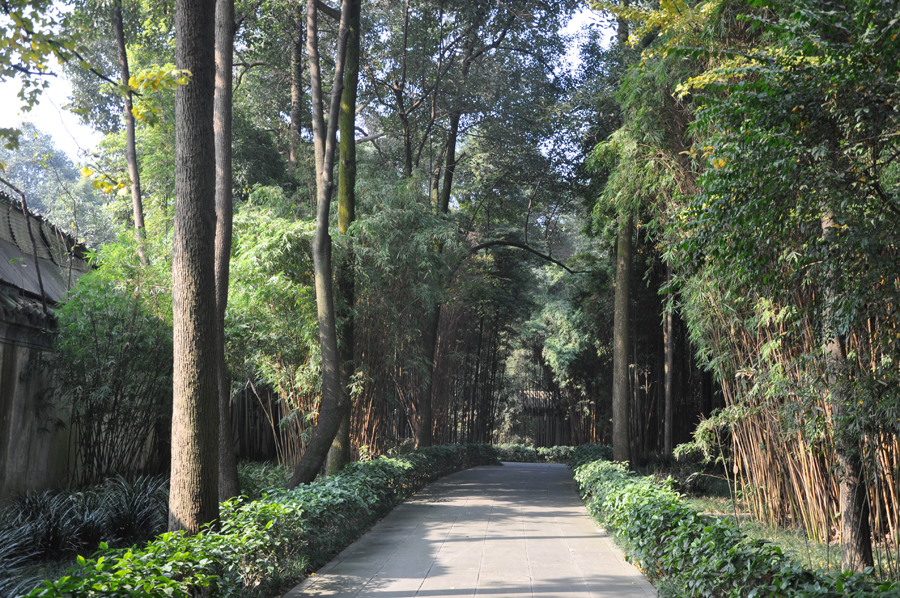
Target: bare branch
<point x="329" y="12"/>
<point x="499" y="243"/>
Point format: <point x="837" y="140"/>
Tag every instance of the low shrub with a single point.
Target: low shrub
<point x="262" y="547"/>
<point x="256" y="478"/>
<point x="700" y="556"/>
<point x="585" y="453"/>
<point x="573" y="455"/>
<point x="517" y="453"/>
<point x="555" y="454"/>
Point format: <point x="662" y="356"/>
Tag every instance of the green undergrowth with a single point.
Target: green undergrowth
<point x="261" y="547"/>
<point x="689" y="554"/>
<point x="520" y="453"/>
<point x="42" y="532"/>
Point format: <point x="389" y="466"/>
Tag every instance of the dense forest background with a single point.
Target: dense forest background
<point x="687" y="236"/>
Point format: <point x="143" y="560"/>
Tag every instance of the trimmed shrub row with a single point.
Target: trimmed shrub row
<point x="572" y="455"/>
<point x="699" y="556"/>
<point x="520" y="453"/>
<point x="262" y="547"/>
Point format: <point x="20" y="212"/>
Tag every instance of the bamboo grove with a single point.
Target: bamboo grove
<point x="675" y="226"/>
<point x="758" y="145"/>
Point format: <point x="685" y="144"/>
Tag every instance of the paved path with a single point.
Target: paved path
<point x="512" y="531"/>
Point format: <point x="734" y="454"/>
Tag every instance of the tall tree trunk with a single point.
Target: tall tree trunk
<point x="296" y="88"/>
<point x="621" y="342"/>
<point x="193" y="495"/>
<point x="225" y="30"/>
<point x="424" y="416"/>
<point x="331" y="404"/>
<point x="399" y="90"/>
<point x="669" y="341"/>
<point x="450" y="165"/>
<point x="856" y="535"/>
<point x="137" y="206"/>
<point x="339" y="454"/>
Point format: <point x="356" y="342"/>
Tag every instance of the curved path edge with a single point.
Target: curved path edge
<point x="511" y="531"/>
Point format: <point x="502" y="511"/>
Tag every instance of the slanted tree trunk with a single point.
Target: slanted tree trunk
<point x="193" y="495"/>
<point x="130" y="144"/>
<point x="621" y="343"/>
<point x="339" y="454"/>
<point x="856" y="535"/>
<point x="331" y="404"/>
<point x="669" y="342"/>
<point x="225" y="29"/>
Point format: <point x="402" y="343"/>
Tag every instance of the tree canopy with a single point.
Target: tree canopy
<point x="685" y="236"/>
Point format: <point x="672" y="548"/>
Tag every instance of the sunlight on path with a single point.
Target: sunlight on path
<point x="517" y="530"/>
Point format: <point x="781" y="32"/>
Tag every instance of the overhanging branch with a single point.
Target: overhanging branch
<point x="529" y="248"/>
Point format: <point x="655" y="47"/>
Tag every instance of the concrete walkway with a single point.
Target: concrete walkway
<point x="511" y="531"/>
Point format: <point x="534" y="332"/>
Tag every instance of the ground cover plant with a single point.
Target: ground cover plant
<point x="689" y="554"/>
<point x="47" y="527"/>
<point x="261" y="547"/>
<point x="41" y="533"/>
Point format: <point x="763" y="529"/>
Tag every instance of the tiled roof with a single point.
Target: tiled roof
<point x="61" y="257"/>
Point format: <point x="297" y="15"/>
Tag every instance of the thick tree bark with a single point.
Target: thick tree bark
<point x="856" y="535"/>
<point x="621" y="343"/>
<point x="331" y="404"/>
<point x="193" y="496"/>
<point x="137" y="206"/>
<point x="225" y="29"/>
<point x="296" y="88"/>
<point x="669" y="341"/>
<point x="339" y="454"/>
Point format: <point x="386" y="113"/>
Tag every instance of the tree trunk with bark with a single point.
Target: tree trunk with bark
<point x="194" y="496"/>
<point x="621" y="343"/>
<point x="339" y="454"/>
<point x="424" y="415"/>
<point x="856" y="534"/>
<point x="296" y="88"/>
<point x="225" y="30"/>
<point x="137" y="206"/>
<point x="669" y="342"/>
<point x="331" y="404"/>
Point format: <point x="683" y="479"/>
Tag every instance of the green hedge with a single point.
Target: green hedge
<point x="573" y="455"/>
<point x="264" y="546"/>
<point x="701" y="556"/>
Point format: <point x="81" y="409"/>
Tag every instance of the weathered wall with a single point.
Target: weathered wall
<point x="32" y="453"/>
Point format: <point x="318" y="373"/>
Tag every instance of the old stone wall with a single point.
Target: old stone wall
<point x="33" y="452"/>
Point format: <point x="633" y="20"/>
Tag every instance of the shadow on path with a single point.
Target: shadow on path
<point x="512" y="531"/>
